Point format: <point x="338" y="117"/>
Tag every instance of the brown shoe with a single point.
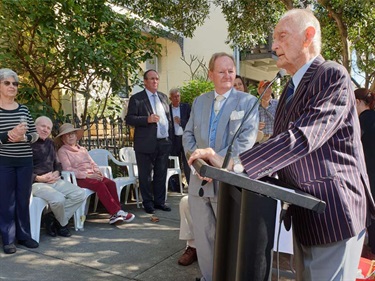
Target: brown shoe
<point x="188" y="257"/>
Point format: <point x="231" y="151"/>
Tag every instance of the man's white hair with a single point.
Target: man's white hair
<point x="41" y="118"/>
<point x="302" y="19"/>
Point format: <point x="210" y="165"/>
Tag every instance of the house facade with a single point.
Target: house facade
<point x="255" y="65"/>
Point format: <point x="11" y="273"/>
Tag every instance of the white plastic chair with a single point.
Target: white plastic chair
<point x="36" y="208"/>
<point x="81" y="212"/>
<point x="101" y="157"/>
<point x="175" y="170"/>
<point x="127" y="155"/>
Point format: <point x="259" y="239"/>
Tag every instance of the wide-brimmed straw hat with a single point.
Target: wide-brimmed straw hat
<point x="67" y="128"/>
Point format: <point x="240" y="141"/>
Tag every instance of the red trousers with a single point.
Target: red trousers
<point x="106" y="190"/>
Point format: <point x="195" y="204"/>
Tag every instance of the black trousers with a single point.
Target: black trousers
<point x="152" y="173"/>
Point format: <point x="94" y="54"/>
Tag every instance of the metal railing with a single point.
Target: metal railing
<point x="109" y="133"/>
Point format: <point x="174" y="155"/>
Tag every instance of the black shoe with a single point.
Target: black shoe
<point x="10" y="249"/>
<point x="149" y="210"/>
<point x="63" y="231"/>
<point x="163" y="208"/>
<point x="49" y="223"/>
<point x="30" y="243"/>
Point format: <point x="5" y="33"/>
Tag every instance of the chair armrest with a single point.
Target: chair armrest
<point x="69" y="176"/>
<point x="106" y="171"/>
<point x="128" y="165"/>
<point x="176" y="161"/>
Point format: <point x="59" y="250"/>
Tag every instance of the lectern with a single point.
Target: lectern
<point x="245" y="224"/>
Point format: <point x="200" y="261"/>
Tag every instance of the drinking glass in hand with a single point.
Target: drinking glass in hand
<point x="23" y="120"/>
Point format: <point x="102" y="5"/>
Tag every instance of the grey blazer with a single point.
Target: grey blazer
<point x="196" y="134"/>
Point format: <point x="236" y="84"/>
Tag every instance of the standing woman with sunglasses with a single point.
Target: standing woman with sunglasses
<point x="17" y="131"/>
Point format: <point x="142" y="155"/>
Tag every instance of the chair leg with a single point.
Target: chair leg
<point x="80" y="217"/>
<point x="136" y="190"/>
<point x="169" y="174"/>
<point x="36" y="209"/>
<point x="181" y="188"/>
<point x="96" y="203"/>
<point x="81" y="212"/>
<point x="127" y="190"/>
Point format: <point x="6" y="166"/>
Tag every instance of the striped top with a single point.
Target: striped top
<point x="20" y="153"/>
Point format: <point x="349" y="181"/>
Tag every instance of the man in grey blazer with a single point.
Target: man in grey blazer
<point x="316" y="148"/>
<point x="209" y="129"/>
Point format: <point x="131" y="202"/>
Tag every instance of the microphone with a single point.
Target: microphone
<point x="228" y="155"/>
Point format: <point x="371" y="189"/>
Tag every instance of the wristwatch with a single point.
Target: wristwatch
<point x="238" y="168"/>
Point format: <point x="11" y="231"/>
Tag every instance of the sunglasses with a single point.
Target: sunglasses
<point x="7" y="83"/>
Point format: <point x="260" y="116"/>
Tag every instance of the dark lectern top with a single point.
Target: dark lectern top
<point x="270" y="187"/>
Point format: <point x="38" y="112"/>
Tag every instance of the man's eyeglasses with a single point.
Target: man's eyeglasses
<point x="7" y="83"/>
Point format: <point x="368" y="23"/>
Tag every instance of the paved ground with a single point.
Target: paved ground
<point x="141" y="250"/>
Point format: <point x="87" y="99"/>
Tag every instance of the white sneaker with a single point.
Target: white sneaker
<point x="127" y="217"/>
<point x="115" y="219"/>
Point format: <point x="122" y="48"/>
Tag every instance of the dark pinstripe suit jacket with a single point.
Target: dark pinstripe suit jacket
<point x="316" y="147"/>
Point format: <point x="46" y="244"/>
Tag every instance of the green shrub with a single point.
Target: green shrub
<point x="190" y="90"/>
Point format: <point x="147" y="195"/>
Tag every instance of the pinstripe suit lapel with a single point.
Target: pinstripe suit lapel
<point x="306" y="80"/>
<point x="299" y="92"/>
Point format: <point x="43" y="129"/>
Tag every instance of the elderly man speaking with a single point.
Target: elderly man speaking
<point x="315" y="147"/>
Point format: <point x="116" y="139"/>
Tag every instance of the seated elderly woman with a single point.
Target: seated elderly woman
<point x="76" y="158"/>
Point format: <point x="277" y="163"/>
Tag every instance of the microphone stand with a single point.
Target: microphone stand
<point x="228" y="155"/>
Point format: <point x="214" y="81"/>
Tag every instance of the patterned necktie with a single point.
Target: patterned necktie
<point x="218" y="99"/>
<point x="162" y="124"/>
<point x="289" y="94"/>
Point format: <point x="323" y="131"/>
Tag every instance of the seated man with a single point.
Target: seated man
<point x="63" y="197"/>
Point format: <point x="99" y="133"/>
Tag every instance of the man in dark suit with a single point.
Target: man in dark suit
<point x="316" y="148"/>
<point x="180" y="113"/>
<point x="148" y="112"/>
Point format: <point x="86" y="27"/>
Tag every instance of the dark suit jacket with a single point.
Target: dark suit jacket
<point x="316" y="148"/>
<point x="367" y="121"/>
<point x="184" y="114"/>
<point x="139" y="109"/>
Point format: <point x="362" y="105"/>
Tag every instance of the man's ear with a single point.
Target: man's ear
<point x="309" y="36"/>
<point x="210" y="75"/>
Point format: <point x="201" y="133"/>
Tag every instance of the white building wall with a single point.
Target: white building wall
<point x="208" y="39"/>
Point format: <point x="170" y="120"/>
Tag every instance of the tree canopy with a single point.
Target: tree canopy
<point x="347" y="26"/>
<point x="70" y="44"/>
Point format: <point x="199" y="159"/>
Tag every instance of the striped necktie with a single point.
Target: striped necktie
<point x="289" y="94"/>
